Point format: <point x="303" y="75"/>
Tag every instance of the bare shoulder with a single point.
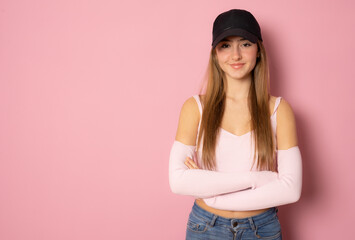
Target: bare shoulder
<point x="286" y="126"/>
<point x="188" y="122"/>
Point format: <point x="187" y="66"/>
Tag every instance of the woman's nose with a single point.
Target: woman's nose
<point x="236" y="55"/>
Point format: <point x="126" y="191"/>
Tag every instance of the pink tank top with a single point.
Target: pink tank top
<point x="234" y="153"/>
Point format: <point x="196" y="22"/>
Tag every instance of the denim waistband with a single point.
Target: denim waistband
<point x="248" y="222"/>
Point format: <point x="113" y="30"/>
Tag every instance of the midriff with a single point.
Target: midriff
<point x="229" y="214"/>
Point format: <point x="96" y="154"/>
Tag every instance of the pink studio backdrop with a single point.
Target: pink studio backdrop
<point x="90" y="95"/>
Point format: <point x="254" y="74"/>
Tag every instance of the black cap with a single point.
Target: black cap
<point x="236" y="22"/>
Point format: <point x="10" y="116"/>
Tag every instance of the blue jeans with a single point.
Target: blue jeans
<point x="204" y="225"/>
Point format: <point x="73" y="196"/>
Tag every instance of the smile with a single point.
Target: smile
<point x="237" y="66"/>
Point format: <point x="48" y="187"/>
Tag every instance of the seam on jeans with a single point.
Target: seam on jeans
<point x="196" y="226"/>
<point x="200" y="218"/>
<point x="276" y="236"/>
<point x="267" y="222"/>
<point x="268" y="238"/>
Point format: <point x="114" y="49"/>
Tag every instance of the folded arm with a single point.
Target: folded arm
<point x="284" y="190"/>
<point x="204" y="183"/>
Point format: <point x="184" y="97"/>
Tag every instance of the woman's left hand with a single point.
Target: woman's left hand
<point x="190" y="163"/>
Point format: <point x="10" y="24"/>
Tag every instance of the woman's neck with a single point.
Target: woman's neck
<point x="238" y="89"/>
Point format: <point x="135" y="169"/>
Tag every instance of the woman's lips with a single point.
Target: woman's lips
<point x="237" y="65"/>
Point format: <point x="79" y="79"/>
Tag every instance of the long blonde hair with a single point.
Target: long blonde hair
<point x="258" y="102"/>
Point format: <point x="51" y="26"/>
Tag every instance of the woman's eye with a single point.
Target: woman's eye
<point x="224" y="45"/>
<point x="246" y="44"/>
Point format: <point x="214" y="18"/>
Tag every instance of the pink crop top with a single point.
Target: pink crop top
<point x="235" y="185"/>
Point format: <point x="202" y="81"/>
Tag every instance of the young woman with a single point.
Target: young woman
<point x="236" y="148"/>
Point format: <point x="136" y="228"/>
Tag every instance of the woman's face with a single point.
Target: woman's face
<point x="237" y="57"/>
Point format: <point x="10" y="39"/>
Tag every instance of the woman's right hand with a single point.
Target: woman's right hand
<point x="190" y="163"/>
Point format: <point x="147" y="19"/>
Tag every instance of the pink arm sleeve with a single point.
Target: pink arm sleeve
<point x="204" y="183"/>
<point x="284" y="190"/>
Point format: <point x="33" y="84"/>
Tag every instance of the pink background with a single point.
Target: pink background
<point x="90" y="95"/>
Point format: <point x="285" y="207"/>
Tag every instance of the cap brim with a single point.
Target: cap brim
<point x="235" y="32"/>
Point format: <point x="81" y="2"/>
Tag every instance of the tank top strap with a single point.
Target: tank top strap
<point x="273" y="116"/>
<point x="277" y="103"/>
<point x="197" y="98"/>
